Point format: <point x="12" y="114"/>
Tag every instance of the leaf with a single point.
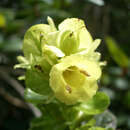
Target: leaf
<point x="2" y="21"/>
<point x="91" y="128"/>
<point x="76" y="118"/>
<point x="89" y="124"/>
<point x="50" y="120"/>
<point x="37" y="82"/>
<point x="96" y="105"/>
<point x="47" y="123"/>
<point x="116" y="52"/>
<point x="34" y="97"/>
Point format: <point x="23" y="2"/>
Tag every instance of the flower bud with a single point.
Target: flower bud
<point x="68" y="42"/>
<point x="78" y="27"/>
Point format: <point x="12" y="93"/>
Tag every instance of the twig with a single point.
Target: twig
<point x="20" y="89"/>
<point x="13" y="100"/>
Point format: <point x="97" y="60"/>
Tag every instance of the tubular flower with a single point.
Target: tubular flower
<point x="74" y="79"/>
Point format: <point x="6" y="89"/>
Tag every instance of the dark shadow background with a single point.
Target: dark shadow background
<point x="102" y="18"/>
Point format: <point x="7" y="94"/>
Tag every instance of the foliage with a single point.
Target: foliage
<point x="117" y="53"/>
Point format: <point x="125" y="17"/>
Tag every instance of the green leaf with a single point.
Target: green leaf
<point x="51" y="119"/>
<point x="47" y="123"/>
<point x="89" y="124"/>
<point x="2" y="21"/>
<point x="96" y="105"/>
<point x="37" y="82"/>
<point x="34" y="97"/>
<point x="92" y="128"/>
<point x="74" y="117"/>
<point x="116" y="52"/>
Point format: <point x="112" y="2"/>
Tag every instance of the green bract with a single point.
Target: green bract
<point x="68" y="42"/>
<point x="60" y="62"/>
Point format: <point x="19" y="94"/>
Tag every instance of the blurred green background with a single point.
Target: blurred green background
<point x="105" y="19"/>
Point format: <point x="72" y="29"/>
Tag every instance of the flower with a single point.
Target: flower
<point x="67" y="55"/>
<point x="74" y="79"/>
